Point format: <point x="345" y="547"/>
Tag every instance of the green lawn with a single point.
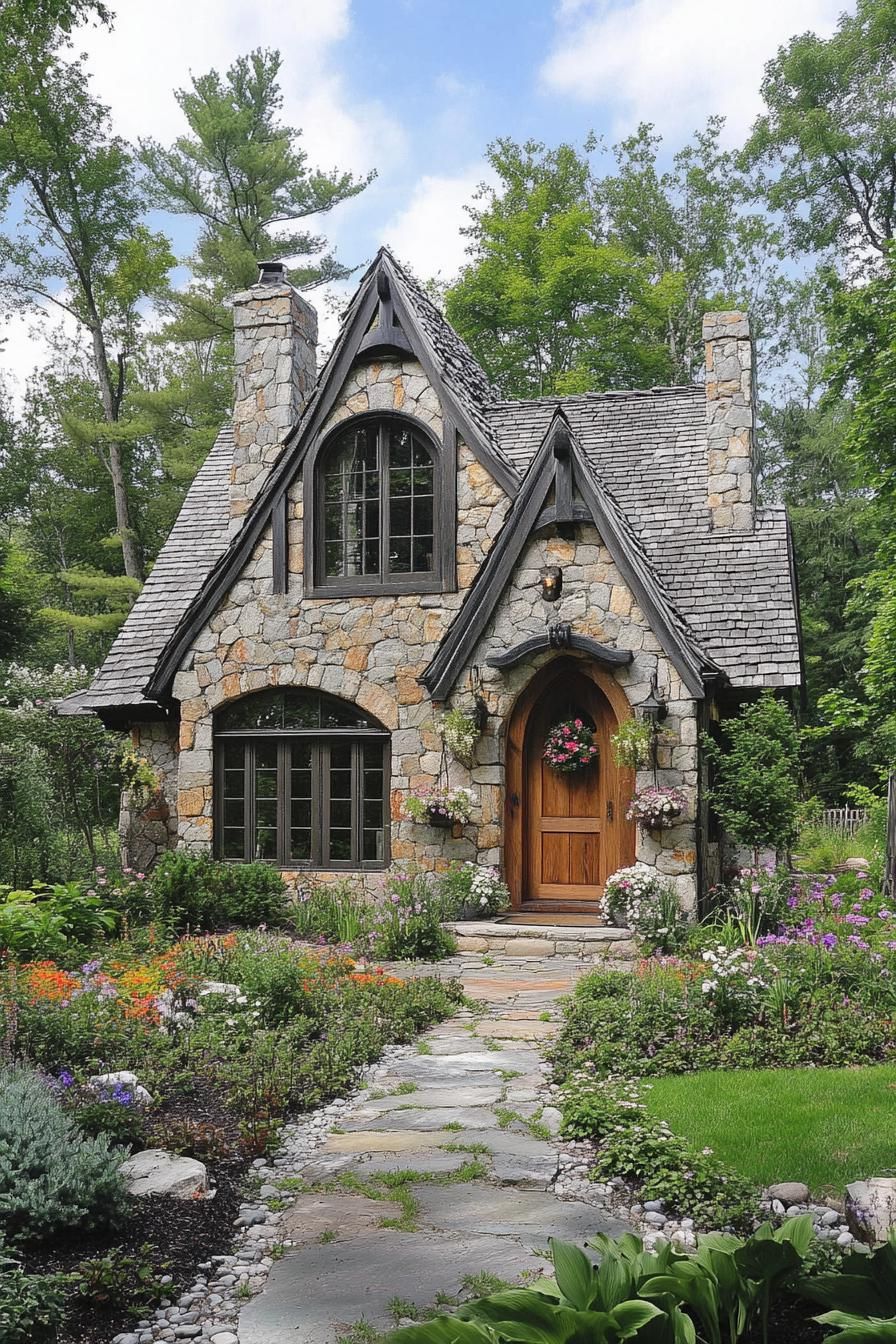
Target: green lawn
<point x="822" y="1126"/>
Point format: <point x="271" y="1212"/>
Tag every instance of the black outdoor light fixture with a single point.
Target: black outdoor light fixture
<point x="654" y="709"/>
<point x="551" y="582"/>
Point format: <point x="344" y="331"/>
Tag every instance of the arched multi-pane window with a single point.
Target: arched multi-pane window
<point x="377" y="499"/>
<point x="301" y="781"/>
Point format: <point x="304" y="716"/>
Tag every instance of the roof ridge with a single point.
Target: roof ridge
<point x="689" y="389"/>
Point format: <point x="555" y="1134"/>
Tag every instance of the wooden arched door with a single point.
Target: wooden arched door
<point x="566" y="833"/>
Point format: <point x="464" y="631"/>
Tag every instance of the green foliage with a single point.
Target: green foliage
<point x="243" y="174"/>
<point x="549" y="304"/>
<point x="632" y="743"/>
<point x="828" y="136"/>
<point x="32" y="1306"/>
<point x="59" y="780"/>
<point x="644" y="1152"/>
<point x="861" y="1297"/>
<point x="198" y="892"/>
<point x="53" y="1180"/>
<point x="117" y="1280"/>
<point x="407" y="923"/>
<point x="756" y="790"/>
<point x="53" y="922"/>
<point x="338" y="912"/>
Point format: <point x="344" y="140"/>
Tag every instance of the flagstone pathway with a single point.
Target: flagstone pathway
<point x="441" y="1171"/>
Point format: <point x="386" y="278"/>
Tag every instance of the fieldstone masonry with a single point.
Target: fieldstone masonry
<point x="372" y="651"/>
<point x="147" y="826"/>
<point x="275" y="352"/>
<point x="730" y="402"/>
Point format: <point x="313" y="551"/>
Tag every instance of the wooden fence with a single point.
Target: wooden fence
<point x="845" y="819"/>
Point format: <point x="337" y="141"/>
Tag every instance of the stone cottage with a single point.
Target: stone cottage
<point x="366" y="548"/>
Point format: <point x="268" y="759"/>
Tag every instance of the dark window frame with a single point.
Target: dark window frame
<point x="321" y="740"/>
<point x="440" y="578"/>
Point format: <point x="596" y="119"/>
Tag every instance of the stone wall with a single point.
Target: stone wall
<point x="372" y="650"/>
<point x="147" y="826"/>
<point x="275" y="356"/>
<point x="730" y="403"/>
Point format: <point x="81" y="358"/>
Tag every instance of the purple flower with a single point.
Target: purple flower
<point x="829" y="940"/>
<point x="792" y="902"/>
<point x="65" y="1078"/>
<point x="856" y="941"/>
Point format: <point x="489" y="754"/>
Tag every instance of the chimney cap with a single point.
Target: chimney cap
<point x="272" y="273"/>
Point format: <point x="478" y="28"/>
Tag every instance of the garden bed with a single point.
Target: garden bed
<point x="231" y="1035"/>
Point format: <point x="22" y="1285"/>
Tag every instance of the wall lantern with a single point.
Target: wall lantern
<point x="551" y="577"/>
<point x="654" y="709"/>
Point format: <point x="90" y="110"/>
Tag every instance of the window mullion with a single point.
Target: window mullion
<point x="325" y="805"/>
<point x="383" y="459"/>
<point x="249" y="792"/>
<point x="284" y="804"/>
<point x="357" y="809"/>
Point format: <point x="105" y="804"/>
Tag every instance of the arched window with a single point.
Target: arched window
<point x="301" y="781"/>
<point x="377" y="499"/>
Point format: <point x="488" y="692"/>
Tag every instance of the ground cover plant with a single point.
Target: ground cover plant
<point x="834" y="1125"/>
<point x="730" y="1289"/>
<point x="768" y="1040"/>
<point x="229" y="1034"/>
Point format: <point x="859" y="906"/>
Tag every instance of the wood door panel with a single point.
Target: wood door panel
<point x="584" y="859"/>
<point x="554" y="866"/>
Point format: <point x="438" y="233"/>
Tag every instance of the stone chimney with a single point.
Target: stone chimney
<point x="275" y="353"/>
<point x="730" y="408"/>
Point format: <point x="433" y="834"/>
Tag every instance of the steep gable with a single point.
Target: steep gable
<point x="560" y="470"/>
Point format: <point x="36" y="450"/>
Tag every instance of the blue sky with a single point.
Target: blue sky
<point x="417" y="88"/>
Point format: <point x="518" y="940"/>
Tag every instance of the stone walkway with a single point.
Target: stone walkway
<point x="441" y="1171"/>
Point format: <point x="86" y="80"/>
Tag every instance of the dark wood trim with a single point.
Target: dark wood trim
<point x="447" y="520"/>
<point x="279" y="544"/>
<point x="359" y="585"/>
<point x="549" y="517"/>
<point x="563" y="478"/>
<point x="295" y="447"/>
<point x="601" y="653"/>
<point x="390" y="342"/>
<point x="465" y="631"/>
<point x="493" y="577"/>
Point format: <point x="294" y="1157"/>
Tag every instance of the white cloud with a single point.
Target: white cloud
<point x="156" y="44"/>
<point x="426" y="233"/>
<point x="673" y="62"/>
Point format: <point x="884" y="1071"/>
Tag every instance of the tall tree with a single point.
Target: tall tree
<point x="547" y="302"/>
<point x="828" y="137"/>
<point x="79" y="244"/>
<point x="692" y="221"/>
<point x="245" y="176"/>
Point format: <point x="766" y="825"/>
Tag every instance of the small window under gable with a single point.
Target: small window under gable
<point x="376" y="516"/>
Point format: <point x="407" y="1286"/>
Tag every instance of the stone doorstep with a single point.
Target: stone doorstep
<point x="592" y="944"/>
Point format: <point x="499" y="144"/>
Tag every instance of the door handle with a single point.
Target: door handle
<point x="609" y="809"/>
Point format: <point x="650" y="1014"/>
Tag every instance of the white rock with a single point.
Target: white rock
<point x="789" y="1192"/>
<point x="233" y="993"/>
<point x="124" y="1078"/>
<point x="155" y="1172"/>
<point x="871" y="1208"/>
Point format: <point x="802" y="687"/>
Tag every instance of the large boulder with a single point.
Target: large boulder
<point x="155" y="1172"/>
<point x="871" y="1209"/>
<point x="790" y="1192"/>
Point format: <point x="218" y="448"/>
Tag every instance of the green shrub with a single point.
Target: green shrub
<point x="53" y="922"/>
<point x="53" y="1180"/>
<point x="407" y="922"/>
<point x="117" y="1280"/>
<point x="337" y="912"/>
<point x="198" y="892"/>
<point x="32" y="1306"/>
<point x="125" y="1126"/>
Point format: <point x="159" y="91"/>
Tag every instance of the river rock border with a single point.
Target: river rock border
<point x="209" y="1309"/>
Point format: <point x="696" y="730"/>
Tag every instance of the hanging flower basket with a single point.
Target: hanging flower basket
<point x="444" y="808"/>
<point x="570" y="747"/>
<point x="656" y="809"/>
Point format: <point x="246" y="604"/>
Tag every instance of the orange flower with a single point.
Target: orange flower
<point x="44" y="980"/>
